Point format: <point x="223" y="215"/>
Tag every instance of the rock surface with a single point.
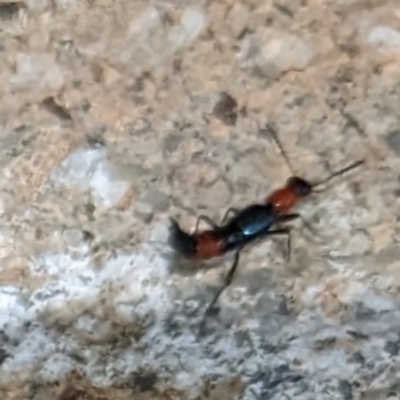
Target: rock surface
<point x="115" y="116"/>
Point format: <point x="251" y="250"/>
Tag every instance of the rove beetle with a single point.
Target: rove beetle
<point x="248" y="224"/>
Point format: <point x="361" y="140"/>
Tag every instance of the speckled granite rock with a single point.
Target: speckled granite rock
<point x="116" y="115"/>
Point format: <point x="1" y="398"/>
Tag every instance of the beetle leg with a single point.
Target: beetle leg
<point x="206" y="220"/>
<point x="227" y="282"/>
<point x="230" y="210"/>
<point x="290" y="217"/>
<point x="229" y="278"/>
<point x="287" y="233"/>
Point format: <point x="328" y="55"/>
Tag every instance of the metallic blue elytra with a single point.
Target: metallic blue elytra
<point x="256" y="227"/>
<point x="252" y="222"/>
<point x="256" y="219"/>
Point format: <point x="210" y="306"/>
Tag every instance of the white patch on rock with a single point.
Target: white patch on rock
<point x="37" y="5"/>
<point x="287" y="52"/>
<point x="385" y="38"/>
<point x="378" y="303"/>
<point x="192" y="22"/>
<point x="147" y="21"/>
<point x="66" y="3"/>
<point x="105" y="187"/>
<point x="37" y="70"/>
<point x="56" y="365"/>
<point x="359" y="243"/>
<point x="136" y="286"/>
<point x="275" y="52"/>
<point x="89" y="170"/>
<point x="2" y="207"/>
<point x="141" y="281"/>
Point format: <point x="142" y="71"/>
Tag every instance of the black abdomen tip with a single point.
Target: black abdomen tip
<point x="180" y="241"/>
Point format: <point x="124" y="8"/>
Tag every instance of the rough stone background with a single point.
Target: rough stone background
<point x="115" y="115"/>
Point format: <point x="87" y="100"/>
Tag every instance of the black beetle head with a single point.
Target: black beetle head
<point x="299" y="186"/>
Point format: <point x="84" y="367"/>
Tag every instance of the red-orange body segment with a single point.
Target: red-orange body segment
<point x="283" y="200"/>
<point x="208" y="245"/>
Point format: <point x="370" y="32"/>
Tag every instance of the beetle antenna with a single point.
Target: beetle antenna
<point x="274" y="134"/>
<point x="339" y="173"/>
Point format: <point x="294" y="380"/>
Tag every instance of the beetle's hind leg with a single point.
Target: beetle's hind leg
<point x="307" y="225"/>
<point x="206" y="220"/>
<point x="228" y="280"/>
<point x="229" y="277"/>
<point x="230" y="210"/>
